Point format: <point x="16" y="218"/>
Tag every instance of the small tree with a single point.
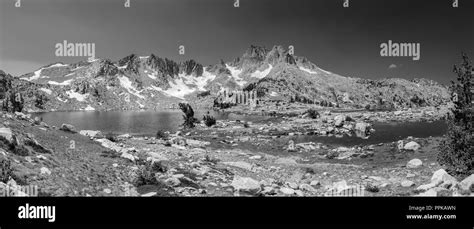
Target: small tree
<point x="457" y="150"/>
<point x="188" y="116"/>
<point x="209" y="120"/>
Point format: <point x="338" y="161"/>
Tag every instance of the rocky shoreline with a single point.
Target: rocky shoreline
<point x="231" y="158"/>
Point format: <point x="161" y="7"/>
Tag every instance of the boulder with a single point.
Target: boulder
<point x="128" y="156"/>
<point x="68" y="128"/>
<point x="156" y="157"/>
<point x="425" y="187"/>
<point x="339" y="186"/>
<point x="196" y="143"/>
<point x="45" y="171"/>
<point x="315" y="183"/>
<point x="412" y="146"/>
<point x="37" y="120"/>
<point x="307" y="188"/>
<point x="429" y="193"/>
<point x="92" y="133"/>
<point x="287" y="191"/>
<point x="173" y="181"/>
<point x="362" y="127"/>
<point x="414" y="163"/>
<point x="467" y="183"/>
<point x="246" y="184"/>
<point x="22" y="116"/>
<point x="7" y="134"/>
<point x="339" y="120"/>
<point x="407" y="183"/>
<point x="441" y="177"/>
<point x="292" y="185"/>
<point x="124" y="136"/>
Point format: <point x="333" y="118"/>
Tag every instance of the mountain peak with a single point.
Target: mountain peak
<point x="191" y="67"/>
<point x="256" y="53"/>
<point x="131" y="63"/>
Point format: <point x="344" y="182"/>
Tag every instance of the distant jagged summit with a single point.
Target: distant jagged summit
<point x="139" y="82"/>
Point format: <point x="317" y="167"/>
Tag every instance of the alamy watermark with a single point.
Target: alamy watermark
<point x="75" y="49"/>
<point x="395" y="49"/>
<point x="354" y="190"/>
<point x="18" y="190"/>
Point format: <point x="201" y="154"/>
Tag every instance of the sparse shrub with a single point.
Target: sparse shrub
<point x="209" y="120"/>
<point x="40" y="100"/>
<point x="111" y="137"/>
<point x="313" y="114"/>
<point x="13" y="146"/>
<point x="457" y="150"/>
<point x="210" y="159"/>
<point x="146" y="174"/>
<point x="161" y="135"/>
<point x="372" y="188"/>
<point x="188" y="116"/>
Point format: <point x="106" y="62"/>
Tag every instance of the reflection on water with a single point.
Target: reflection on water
<point x="133" y="122"/>
<point x="149" y="122"/>
<point x="384" y="132"/>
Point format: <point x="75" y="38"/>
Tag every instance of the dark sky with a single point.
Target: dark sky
<point x="342" y="40"/>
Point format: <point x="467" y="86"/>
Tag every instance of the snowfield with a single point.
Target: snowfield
<point x="49" y="92"/>
<point x="179" y="89"/>
<point x="58" y="65"/>
<point x="66" y="82"/>
<point x="235" y="73"/>
<point x="313" y="72"/>
<point x="201" y="81"/>
<point x="261" y="74"/>
<point x="89" y="108"/>
<point x="74" y="95"/>
<point x="127" y="84"/>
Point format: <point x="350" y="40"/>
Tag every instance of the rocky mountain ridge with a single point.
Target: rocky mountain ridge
<point x="151" y="82"/>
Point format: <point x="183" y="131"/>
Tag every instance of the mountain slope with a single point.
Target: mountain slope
<point x="151" y="82"/>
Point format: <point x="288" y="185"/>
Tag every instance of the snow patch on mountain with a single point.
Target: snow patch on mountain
<point x="122" y="67"/>
<point x="49" y="92"/>
<point x="179" y="89"/>
<point x="57" y="65"/>
<point x="58" y="98"/>
<point x="152" y="75"/>
<point x="140" y="105"/>
<point x="127" y="84"/>
<point x="64" y="83"/>
<point x="37" y="75"/>
<point x="273" y="94"/>
<point x="89" y="108"/>
<point x="74" y="95"/>
<point x="261" y="74"/>
<point x="235" y="73"/>
<point x="313" y="72"/>
<point x="199" y="82"/>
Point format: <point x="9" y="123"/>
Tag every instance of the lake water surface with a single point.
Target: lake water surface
<point x="133" y="122"/>
<point x="149" y="122"/>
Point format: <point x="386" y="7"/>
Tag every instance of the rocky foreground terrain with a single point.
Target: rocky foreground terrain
<point x="231" y="158"/>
